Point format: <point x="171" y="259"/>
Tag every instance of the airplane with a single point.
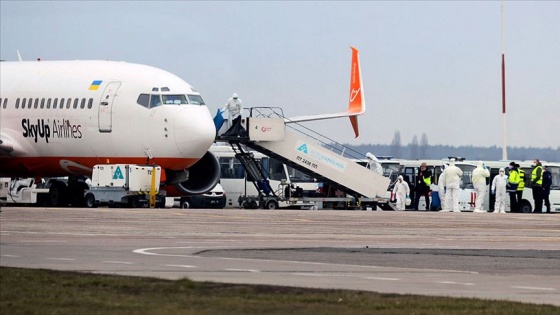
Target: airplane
<point x="60" y="118"/>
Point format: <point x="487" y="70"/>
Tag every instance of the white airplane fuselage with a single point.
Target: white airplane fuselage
<point x="60" y="118"/>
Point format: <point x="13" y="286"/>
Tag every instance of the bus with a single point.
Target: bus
<point x="527" y="203"/>
<point x="239" y="187"/>
<point x="409" y="170"/>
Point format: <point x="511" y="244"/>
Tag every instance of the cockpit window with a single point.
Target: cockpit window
<point x="155" y="100"/>
<point x="195" y="99"/>
<point x="144" y="100"/>
<point x="174" y="99"/>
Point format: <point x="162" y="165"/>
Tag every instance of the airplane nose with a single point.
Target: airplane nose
<point x="194" y="131"/>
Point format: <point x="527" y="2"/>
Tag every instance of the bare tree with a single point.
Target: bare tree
<point x="396" y="145"/>
<point x="414" y="148"/>
<point x="424" y="146"/>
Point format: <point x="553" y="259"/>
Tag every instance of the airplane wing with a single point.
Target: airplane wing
<point x="356" y="104"/>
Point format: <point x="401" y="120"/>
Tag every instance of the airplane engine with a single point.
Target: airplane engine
<point x="198" y="179"/>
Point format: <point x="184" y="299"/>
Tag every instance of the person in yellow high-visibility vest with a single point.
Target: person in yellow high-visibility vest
<point x="536" y="185"/>
<point x="422" y="186"/>
<point x="513" y="182"/>
<point x="520" y="186"/>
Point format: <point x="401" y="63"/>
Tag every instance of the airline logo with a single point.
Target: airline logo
<point x="118" y="173"/>
<point x="95" y="85"/>
<point x="60" y="128"/>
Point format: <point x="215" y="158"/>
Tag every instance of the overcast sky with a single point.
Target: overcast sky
<point x="427" y="67"/>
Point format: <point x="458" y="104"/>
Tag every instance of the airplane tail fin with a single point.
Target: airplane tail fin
<point x="356" y="104"/>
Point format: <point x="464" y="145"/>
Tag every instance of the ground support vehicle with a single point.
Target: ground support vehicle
<point x="125" y="184"/>
<point x="20" y="191"/>
<point x="48" y="192"/>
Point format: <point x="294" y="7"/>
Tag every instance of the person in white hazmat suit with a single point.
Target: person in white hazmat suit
<point x="374" y="164"/>
<point x="234" y="107"/>
<point x="441" y="189"/>
<point x="499" y="188"/>
<point x="452" y="181"/>
<point x="401" y="191"/>
<point x="479" y="176"/>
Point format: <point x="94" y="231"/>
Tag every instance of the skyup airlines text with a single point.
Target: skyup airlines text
<point x="61" y="128"/>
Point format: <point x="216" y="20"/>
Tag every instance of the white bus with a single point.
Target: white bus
<point x="527" y="203"/>
<point x="409" y="171"/>
<point x="237" y="183"/>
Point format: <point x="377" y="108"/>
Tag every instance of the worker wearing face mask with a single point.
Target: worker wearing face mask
<point x="499" y="189"/>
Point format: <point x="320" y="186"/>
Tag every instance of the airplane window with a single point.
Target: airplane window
<point x="144" y="100"/>
<point x="195" y="99"/>
<point x="61" y="103"/>
<point x="42" y="103"/>
<point x="49" y="103"/>
<point x="36" y="103"/>
<point x="76" y="103"/>
<point x="68" y="103"/>
<point x="17" y="103"/>
<point x="83" y="103"/>
<point x="55" y="102"/>
<point x="5" y="102"/>
<point x="23" y="103"/>
<point x="165" y="89"/>
<point x="90" y="103"/>
<point x="174" y="99"/>
<point x="155" y="101"/>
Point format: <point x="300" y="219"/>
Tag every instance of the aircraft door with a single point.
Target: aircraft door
<point x="106" y="106"/>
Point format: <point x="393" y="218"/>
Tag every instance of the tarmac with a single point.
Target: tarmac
<point x="512" y="257"/>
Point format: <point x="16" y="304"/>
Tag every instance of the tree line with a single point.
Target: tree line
<point x="420" y="149"/>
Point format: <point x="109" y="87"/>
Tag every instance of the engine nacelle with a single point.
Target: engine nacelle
<point x="198" y="179"/>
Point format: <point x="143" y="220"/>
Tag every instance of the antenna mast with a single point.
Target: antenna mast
<point x="504" y="147"/>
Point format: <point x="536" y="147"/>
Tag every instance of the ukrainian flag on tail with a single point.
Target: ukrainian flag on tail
<point x="95" y="85"/>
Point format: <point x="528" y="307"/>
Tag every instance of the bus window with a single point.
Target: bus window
<point x="276" y="170"/>
<point x="231" y="168"/>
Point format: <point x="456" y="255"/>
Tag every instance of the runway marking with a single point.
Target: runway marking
<point x="12" y="256"/>
<point x="146" y="251"/>
<point x="453" y="282"/>
<point x="181" y="266"/>
<point x="43" y="241"/>
<point x="533" y="288"/>
<point x="242" y="270"/>
<point x="118" y="262"/>
<point x="314" y="274"/>
<point x="380" y="278"/>
<point x="63" y="259"/>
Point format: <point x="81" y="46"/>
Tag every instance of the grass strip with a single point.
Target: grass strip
<point x="37" y="291"/>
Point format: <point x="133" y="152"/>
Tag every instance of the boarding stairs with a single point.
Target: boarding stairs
<point x="270" y="133"/>
<point x="253" y="169"/>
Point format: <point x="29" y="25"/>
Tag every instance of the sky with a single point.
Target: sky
<point x="430" y="67"/>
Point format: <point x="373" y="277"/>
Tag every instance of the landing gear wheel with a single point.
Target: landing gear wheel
<point x="185" y="204"/>
<point x="56" y="196"/>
